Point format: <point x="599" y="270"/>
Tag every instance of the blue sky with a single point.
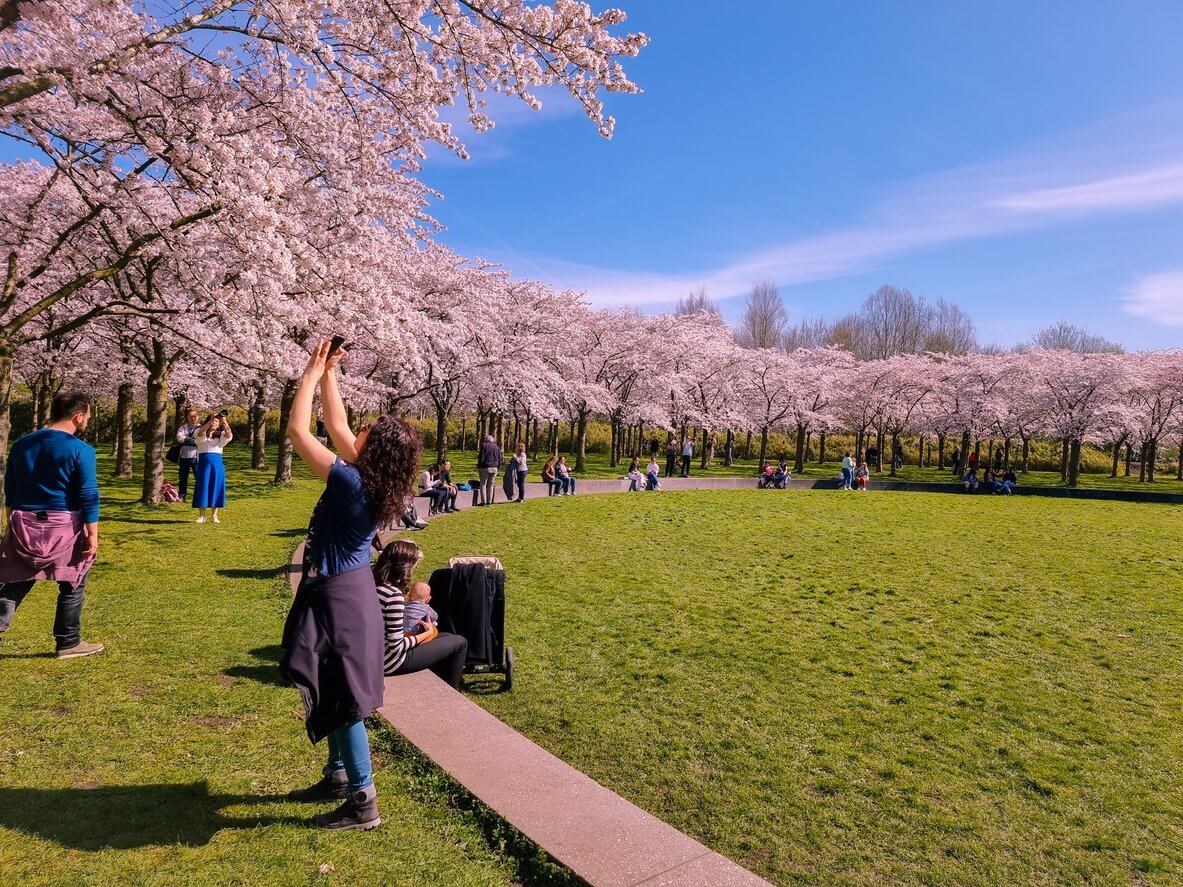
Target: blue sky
<point x="1024" y="160"/>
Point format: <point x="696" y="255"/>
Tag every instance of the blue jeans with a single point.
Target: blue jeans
<point x="845" y="478"/>
<point x="652" y="478"/>
<point x="349" y="749"/>
<point x="568" y="485"/>
<point x="67" y="620"/>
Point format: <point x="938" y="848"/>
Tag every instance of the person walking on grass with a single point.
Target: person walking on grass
<point x="52" y="495"/>
<point x="209" y="492"/>
<point x="333" y="637"/>
<point x="187" y="456"/>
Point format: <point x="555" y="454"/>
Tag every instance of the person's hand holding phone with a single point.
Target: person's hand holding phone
<point x="336" y="352"/>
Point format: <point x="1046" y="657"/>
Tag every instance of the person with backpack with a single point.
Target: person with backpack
<point x="187" y="453"/>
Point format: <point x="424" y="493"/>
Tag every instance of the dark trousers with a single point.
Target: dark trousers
<point x="686" y="466"/>
<point x="67" y="621"/>
<point x="445" y="656"/>
<point x="521" y="480"/>
<point x="186" y="467"/>
<point x="670" y="459"/>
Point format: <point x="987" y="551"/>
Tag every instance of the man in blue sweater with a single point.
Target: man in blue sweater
<point x="52" y="497"/>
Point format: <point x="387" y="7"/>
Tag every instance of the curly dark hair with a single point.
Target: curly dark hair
<point x="388" y="463"/>
<point x="396" y="563"/>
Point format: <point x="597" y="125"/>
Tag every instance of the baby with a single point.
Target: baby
<point x="417" y="608"/>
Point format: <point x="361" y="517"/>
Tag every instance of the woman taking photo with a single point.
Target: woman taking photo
<point x="333" y="637"/>
<point x="209" y="490"/>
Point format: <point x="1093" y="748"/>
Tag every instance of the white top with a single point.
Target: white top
<point x="688" y="448"/>
<point x="523" y="465"/>
<point x="426" y="482"/>
<point x="213" y="444"/>
<point x="653" y="466"/>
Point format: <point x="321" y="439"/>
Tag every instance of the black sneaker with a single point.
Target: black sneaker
<point x="360" y="811"/>
<point x="333" y="786"/>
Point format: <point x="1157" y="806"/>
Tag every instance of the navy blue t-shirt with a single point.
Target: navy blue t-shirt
<point x="342" y="525"/>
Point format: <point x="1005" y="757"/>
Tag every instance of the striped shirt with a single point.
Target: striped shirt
<point x="397" y="643"/>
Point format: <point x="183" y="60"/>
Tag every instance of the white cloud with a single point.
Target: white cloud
<point x="1158" y="297"/>
<point x="1117" y="166"/>
<point x="1144" y="189"/>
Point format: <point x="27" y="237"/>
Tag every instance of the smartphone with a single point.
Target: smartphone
<point x="336" y="343"/>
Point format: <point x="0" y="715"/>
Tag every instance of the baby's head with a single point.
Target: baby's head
<point x="420" y="591"/>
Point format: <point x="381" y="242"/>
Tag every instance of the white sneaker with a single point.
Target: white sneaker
<point x="200" y="520"/>
<point x="216" y="520"/>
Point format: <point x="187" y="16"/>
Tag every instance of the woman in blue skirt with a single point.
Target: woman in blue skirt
<point x="210" y="489"/>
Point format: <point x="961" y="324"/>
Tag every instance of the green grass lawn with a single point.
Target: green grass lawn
<point x="842" y="689"/>
<point x="464" y="467"/>
<point x="155" y="762"/>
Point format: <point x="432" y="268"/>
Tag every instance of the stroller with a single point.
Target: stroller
<point x="469" y="595"/>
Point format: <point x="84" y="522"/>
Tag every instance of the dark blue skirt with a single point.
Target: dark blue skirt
<point x="210" y="488"/>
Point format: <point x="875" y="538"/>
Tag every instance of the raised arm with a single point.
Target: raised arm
<point x="315" y="454"/>
<point x="333" y="409"/>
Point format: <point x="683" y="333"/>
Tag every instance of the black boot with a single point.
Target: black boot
<point x="333" y="786"/>
<point x="360" y="811"/>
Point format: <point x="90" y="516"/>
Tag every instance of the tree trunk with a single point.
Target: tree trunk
<point x="920" y="457"/>
<point x="157" y="425"/>
<point x="614" y="428"/>
<point x="1026" y="453"/>
<point x="283" y="456"/>
<point x="581" y="443"/>
<point x="940" y="452"/>
<point x="799" y="455"/>
<point x="729" y="456"/>
<point x="858" y="445"/>
<point x="1006" y="454"/>
<point x="533" y="437"/>
<point x="571" y="436"/>
<point x="1151" y="459"/>
<point x="747" y="447"/>
<point x="5" y="414"/>
<point x="124" y="402"/>
<point x="879" y="451"/>
<point x="895" y="448"/>
<point x="1074" y="463"/>
<point x="705" y="456"/>
<point x="1129" y="457"/>
<point x="1065" y="446"/>
<point x="259" y="429"/>
<point x="552" y="442"/>
<point x="1142" y="463"/>
<point x="1179" y="460"/>
<point x="1117" y="455"/>
<point x="763" y="447"/>
<point x="180" y="407"/>
<point x="441" y="432"/>
<point x="821" y="447"/>
<point x="964" y="450"/>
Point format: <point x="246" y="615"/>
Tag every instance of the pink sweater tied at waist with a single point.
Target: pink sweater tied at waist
<point x="44" y="545"/>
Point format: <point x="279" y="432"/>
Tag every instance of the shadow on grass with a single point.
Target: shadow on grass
<point x="124" y="817"/>
<point x="294" y="532"/>
<point x="257" y="573"/>
<point x="267" y="673"/>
